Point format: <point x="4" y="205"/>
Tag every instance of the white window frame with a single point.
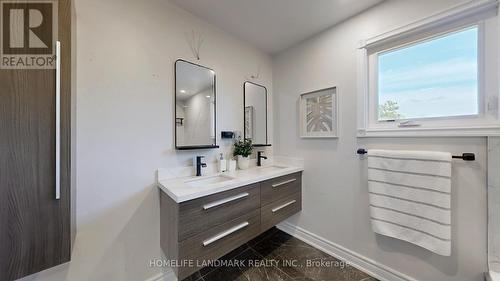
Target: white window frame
<point x="482" y="14"/>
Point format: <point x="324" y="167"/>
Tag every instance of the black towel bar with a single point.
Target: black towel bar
<point x="464" y="156"/>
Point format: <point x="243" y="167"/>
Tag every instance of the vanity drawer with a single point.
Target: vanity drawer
<point x="220" y="240"/>
<point x="277" y="188"/>
<point x="197" y="216"/>
<point x="280" y="210"/>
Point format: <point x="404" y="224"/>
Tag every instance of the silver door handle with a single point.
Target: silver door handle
<point x="283" y="206"/>
<point x="58" y="120"/>
<point x="225" y="201"/>
<point x="283" y="183"/>
<point x="225" y="233"/>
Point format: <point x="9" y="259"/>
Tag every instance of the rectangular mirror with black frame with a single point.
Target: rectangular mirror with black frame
<point x="195" y="106"/>
<point x="255" y="113"/>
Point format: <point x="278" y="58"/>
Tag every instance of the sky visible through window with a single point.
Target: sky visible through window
<point x="435" y="78"/>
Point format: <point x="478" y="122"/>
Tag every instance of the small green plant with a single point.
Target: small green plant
<point x="389" y="111"/>
<point x="243" y="147"/>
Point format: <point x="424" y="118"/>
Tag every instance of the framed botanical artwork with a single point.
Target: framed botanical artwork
<point x="319" y="114"/>
<point x="249" y="118"/>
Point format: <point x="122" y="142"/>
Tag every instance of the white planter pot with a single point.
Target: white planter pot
<point x="243" y="162"/>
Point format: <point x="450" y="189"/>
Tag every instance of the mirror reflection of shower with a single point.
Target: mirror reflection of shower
<point x="195" y="105"/>
<point x="255" y="113"/>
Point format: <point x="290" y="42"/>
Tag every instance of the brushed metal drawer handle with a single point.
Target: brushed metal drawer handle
<point x="225" y="233"/>
<point x="225" y="201"/>
<point x="283" y="206"/>
<point x="283" y="183"/>
<point x="58" y="120"/>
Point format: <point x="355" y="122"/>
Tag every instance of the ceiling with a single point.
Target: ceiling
<point x="275" y="25"/>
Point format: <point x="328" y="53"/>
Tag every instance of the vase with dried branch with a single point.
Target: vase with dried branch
<point x="195" y="40"/>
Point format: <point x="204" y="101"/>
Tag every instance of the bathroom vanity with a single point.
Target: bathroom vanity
<point x="204" y="218"/>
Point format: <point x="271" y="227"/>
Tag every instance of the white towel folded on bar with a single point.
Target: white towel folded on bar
<point x="410" y="197"/>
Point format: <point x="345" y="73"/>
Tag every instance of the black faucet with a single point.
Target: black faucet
<point x="199" y="165"/>
<point x="260" y="157"/>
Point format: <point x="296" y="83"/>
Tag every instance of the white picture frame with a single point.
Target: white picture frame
<point x="319" y="114"/>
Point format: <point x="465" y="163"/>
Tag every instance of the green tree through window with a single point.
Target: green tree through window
<point x="389" y="111"/>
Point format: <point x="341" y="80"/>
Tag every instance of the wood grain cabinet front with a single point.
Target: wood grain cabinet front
<point x="218" y="241"/>
<point x="199" y="215"/>
<point x="280" y="210"/>
<point x="221" y="239"/>
<point x="277" y="188"/>
<point x="37" y="199"/>
<point x="209" y="227"/>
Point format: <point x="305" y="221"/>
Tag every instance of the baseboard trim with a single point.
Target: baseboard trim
<point x="168" y="275"/>
<point x="365" y="264"/>
<point x="491" y="276"/>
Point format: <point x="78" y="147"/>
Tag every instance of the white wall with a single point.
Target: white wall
<point x="335" y="203"/>
<point x="125" y="123"/>
<point x="493" y="204"/>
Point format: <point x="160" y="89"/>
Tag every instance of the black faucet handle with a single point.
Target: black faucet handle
<point x="199" y="158"/>
<point x="199" y="165"/>
<point x="260" y="157"/>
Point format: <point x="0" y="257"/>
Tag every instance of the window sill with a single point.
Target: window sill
<point x="480" y="131"/>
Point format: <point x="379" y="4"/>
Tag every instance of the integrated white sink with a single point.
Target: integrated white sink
<point x="272" y="168"/>
<point x="208" y="180"/>
<point x="183" y="189"/>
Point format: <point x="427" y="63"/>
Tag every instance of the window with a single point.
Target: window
<point x="430" y="79"/>
<point x="436" y="77"/>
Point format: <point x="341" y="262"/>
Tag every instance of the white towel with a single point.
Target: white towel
<point x="410" y="197"/>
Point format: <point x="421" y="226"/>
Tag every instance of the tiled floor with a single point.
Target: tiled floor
<point x="277" y="256"/>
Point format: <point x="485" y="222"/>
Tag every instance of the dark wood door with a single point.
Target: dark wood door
<point x="35" y="228"/>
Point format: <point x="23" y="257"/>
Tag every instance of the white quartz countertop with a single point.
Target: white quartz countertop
<point x="181" y="189"/>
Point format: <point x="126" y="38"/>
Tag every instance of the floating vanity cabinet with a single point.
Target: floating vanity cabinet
<point x="207" y="228"/>
<point x="281" y="187"/>
<point x="36" y="203"/>
<point x="280" y="197"/>
<point x="200" y="215"/>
